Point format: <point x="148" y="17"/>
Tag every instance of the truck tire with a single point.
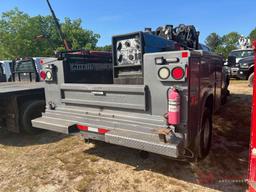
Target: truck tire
<point x="31" y="110"/>
<point x="251" y="79"/>
<point x="205" y="136"/>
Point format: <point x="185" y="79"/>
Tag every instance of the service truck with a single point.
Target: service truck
<point x="165" y="90"/>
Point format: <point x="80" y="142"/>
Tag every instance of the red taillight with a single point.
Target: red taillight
<point x="178" y="73"/>
<point x="184" y="54"/>
<point x="82" y="127"/>
<point x="43" y="75"/>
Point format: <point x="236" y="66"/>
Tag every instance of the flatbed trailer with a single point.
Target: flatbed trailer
<point x="20" y="102"/>
<point x="9" y="88"/>
<point x="23" y="98"/>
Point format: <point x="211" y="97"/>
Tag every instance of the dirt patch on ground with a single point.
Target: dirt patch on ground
<point x="51" y="162"/>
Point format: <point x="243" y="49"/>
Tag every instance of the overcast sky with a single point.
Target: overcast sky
<point x="110" y="17"/>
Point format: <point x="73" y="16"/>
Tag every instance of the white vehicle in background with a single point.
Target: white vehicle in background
<point x="6" y="72"/>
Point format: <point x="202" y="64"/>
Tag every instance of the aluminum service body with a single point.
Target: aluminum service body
<point x="132" y="114"/>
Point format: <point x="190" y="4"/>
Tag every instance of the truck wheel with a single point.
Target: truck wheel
<point x="31" y="110"/>
<point x="205" y="136"/>
<point x="251" y="79"/>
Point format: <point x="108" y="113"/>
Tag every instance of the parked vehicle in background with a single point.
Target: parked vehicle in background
<point x="164" y="93"/>
<point x="246" y="69"/>
<point x="237" y="55"/>
<point x="30" y="68"/>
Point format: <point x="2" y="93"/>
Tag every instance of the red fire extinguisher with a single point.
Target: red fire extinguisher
<point x="174" y="107"/>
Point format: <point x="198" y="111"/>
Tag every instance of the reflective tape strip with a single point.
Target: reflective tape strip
<point x="92" y="129"/>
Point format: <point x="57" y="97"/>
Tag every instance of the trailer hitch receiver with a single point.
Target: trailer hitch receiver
<point x="163" y="134"/>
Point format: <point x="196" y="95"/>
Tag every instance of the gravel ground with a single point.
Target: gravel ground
<point x="50" y="162"/>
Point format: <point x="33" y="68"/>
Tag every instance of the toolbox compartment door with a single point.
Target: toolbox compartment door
<point x="130" y="97"/>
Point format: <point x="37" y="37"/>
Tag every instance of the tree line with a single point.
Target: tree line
<point x="22" y="35"/>
<point x="226" y="43"/>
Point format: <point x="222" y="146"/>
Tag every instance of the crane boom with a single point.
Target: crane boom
<point x="58" y="27"/>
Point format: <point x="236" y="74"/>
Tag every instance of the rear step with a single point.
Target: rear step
<point x="56" y="125"/>
<point x="145" y="142"/>
<point x="102" y="121"/>
<point x="76" y="112"/>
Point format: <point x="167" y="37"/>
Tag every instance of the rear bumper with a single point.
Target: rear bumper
<point x="243" y="73"/>
<point x="124" y="132"/>
<point x="145" y="142"/>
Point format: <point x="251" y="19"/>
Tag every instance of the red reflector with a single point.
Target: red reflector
<point x="178" y="73"/>
<point x="102" y="131"/>
<point x="184" y="54"/>
<point x="82" y="127"/>
<point x="43" y="75"/>
<point x="41" y="61"/>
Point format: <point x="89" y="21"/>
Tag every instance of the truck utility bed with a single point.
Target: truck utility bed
<point x="18" y="87"/>
<point x="123" y="111"/>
